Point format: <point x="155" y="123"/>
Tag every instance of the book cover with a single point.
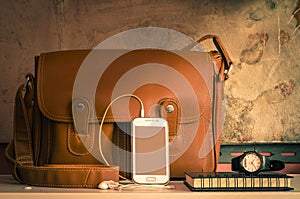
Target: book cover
<point x="232" y="181"/>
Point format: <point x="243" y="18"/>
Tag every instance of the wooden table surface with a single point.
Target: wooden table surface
<point x="9" y="188"/>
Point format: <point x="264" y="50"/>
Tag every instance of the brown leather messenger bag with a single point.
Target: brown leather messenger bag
<point x="55" y="138"/>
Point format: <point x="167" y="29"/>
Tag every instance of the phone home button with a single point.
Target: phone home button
<point x="150" y="179"/>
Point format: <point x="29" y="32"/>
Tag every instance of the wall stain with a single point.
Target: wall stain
<point x="291" y="134"/>
<point x="241" y="115"/>
<point x="238" y="122"/>
<point x="284" y="37"/>
<point x="278" y="93"/>
<point x="4" y="93"/>
<point x="271" y="4"/>
<point x="257" y="15"/>
<point x="254" y="50"/>
<point x="286" y="88"/>
<point x="58" y="7"/>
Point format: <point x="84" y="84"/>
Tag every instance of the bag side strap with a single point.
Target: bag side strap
<point x="224" y="64"/>
<point x="220" y="47"/>
<point x="19" y="155"/>
<point x="22" y="124"/>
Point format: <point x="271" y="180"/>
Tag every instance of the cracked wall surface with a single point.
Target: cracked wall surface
<point x="262" y="37"/>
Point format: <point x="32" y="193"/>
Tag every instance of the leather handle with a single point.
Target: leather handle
<point x="220" y="47"/>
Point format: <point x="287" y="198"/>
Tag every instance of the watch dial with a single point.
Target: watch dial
<point x="251" y="162"/>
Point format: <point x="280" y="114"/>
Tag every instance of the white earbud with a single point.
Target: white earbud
<point x="103" y="185"/>
<point x="108" y="185"/>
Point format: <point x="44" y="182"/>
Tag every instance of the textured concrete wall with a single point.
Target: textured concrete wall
<point x="260" y="35"/>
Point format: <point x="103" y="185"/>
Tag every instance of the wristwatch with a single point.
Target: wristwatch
<point x="251" y="162"/>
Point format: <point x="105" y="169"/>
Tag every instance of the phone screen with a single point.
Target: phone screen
<point x="150" y="150"/>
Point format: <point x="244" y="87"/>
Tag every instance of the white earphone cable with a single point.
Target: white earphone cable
<point x="104" y="115"/>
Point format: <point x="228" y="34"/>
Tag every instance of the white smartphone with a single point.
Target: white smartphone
<point x="150" y="151"/>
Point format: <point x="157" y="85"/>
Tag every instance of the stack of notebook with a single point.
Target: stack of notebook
<point x="231" y="181"/>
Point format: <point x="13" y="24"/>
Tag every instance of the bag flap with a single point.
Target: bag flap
<point x="99" y="76"/>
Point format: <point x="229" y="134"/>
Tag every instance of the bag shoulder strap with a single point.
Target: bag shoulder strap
<point x="19" y="154"/>
<point x="222" y="50"/>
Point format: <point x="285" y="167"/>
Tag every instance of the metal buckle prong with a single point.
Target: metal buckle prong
<point x="228" y="71"/>
<point x="26" y="83"/>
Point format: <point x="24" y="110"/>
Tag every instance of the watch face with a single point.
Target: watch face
<point x="251" y="162"/>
